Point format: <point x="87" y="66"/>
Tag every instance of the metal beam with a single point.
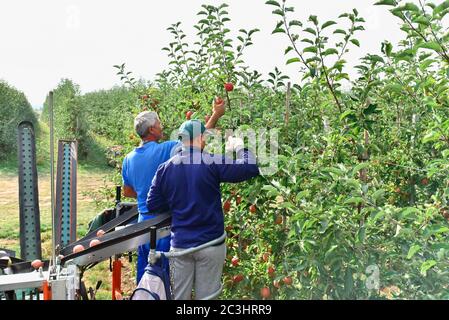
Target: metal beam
<point x="65" y="198"/>
<point x="30" y="231"/>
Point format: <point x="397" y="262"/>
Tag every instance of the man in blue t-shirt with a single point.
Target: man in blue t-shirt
<point x="140" y="165"/>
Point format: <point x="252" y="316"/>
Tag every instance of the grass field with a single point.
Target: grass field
<point x="90" y="179"/>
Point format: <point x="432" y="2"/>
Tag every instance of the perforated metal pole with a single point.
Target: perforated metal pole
<point x="52" y="179"/>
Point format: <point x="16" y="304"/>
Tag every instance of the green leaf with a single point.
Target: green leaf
<point x="314" y="19"/>
<point x="341" y="31"/>
<point x="426" y="266"/>
<point x="359" y="167"/>
<point x="386" y="3"/>
<point x="355" y="200"/>
<point x="346" y="114"/>
<point x="290" y="48"/>
<point x="308" y="41"/>
<point x="436" y="229"/>
<point x="330" y="51"/>
<point x="377" y="195"/>
<point x="356" y="42"/>
<point x="278" y="12"/>
<point x="361" y="234"/>
<point x="273" y="3"/>
<point x="422" y="20"/>
<point x="311" y="49"/>
<point x="406" y="55"/>
<point x="295" y="23"/>
<point x="409" y="210"/>
<point x="432" y="45"/>
<point x="440" y="8"/>
<point x="376" y="58"/>
<point x="271" y="191"/>
<point x="328" y="24"/>
<point x="410" y="7"/>
<point x="278" y="30"/>
<point x="310" y="30"/>
<point x="431" y="137"/>
<point x="412" y="251"/>
<point x="292" y="60"/>
<point x="394" y="87"/>
<point x="387" y="48"/>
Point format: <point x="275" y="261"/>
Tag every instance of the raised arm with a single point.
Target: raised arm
<point x="218" y="108"/>
<point x="242" y="169"/>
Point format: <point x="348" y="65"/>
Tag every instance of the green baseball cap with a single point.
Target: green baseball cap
<point x="191" y="129"/>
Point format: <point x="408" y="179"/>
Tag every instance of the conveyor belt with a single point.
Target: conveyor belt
<point x="122" y="219"/>
<point x="119" y="241"/>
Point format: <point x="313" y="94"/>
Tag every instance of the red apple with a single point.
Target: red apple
<point x="270" y="271"/>
<point x="265" y="292"/>
<point x="287" y="280"/>
<point x="237" y="278"/>
<point x="100" y="233"/>
<point x="266" y="256"/>
<point x="94" y="242"/>
<point x="238" y="200"/>
<point x="227" y="206"/>
<point x="229" y="86"/>
<point x="253" y="208"/>
<point x="78" y="248"/>
<point x="189" y="114"/>
<point x="235" y="261"/>
<point x="36" y="264"/>
<point x="278" y="219"/>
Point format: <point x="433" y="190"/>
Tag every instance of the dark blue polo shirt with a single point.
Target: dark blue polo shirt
<point x="188" y="185"/>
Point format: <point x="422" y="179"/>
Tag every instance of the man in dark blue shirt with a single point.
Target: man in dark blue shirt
<point x="188" y="185"/>
<point x="140" y="165"/>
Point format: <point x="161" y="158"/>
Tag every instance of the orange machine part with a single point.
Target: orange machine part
<point x="47" y="291"/>
<point x="116" y="280"/>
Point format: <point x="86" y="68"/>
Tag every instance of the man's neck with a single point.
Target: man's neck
<point x="150" y="138"/>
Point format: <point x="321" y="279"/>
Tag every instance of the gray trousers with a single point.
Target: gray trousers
<point x="200" y="270"/>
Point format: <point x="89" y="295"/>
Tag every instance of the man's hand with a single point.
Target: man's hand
<point x="219" y="106"/>
<point x="218" y="109"/>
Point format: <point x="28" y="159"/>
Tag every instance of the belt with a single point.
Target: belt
<point x="218" y="244"/>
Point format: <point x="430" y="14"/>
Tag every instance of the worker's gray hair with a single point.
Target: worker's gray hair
<point x="144" y="121"/>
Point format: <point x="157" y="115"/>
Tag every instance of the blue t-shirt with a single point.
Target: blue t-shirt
<point x="140" y="165"/>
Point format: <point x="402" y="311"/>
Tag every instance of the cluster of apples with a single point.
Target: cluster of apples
<point x="93" y="242"/>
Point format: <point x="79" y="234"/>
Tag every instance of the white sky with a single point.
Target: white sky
<point x="46" y="40"/>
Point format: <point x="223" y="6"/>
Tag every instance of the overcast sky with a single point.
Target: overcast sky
<point x="46" y="40"/>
